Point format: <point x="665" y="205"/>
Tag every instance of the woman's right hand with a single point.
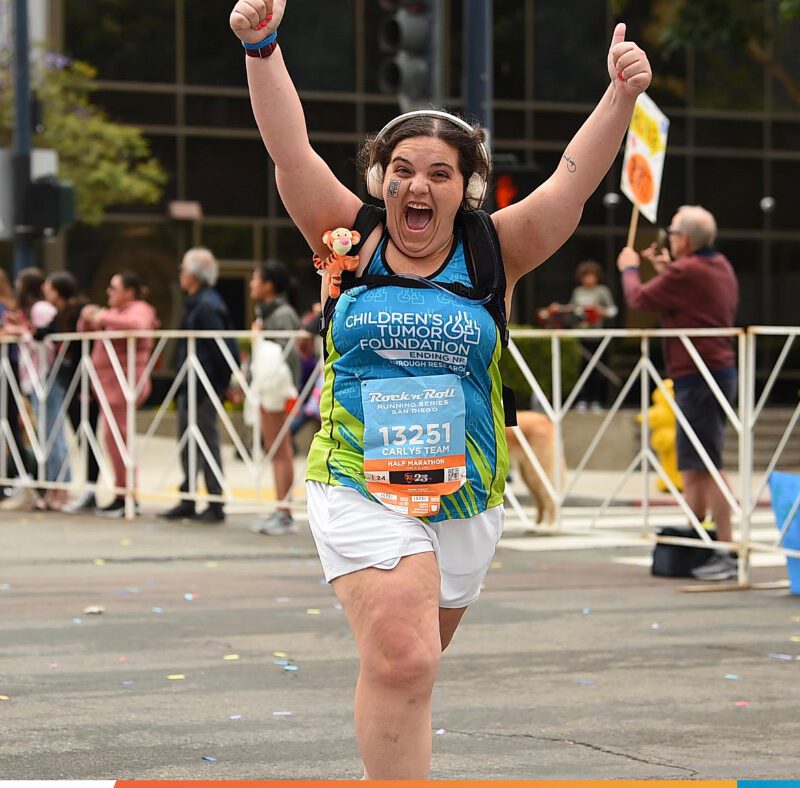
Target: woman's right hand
<point x="247" y="15"/>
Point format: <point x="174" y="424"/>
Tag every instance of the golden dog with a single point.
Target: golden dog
<point x="540" y="433"/>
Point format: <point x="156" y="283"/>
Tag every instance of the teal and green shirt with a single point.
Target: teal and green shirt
<point x="391" y="331"/>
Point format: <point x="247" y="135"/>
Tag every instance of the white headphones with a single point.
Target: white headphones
<point x="477" y="186"/>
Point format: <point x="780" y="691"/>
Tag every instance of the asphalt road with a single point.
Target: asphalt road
<point x="571" y="665"/>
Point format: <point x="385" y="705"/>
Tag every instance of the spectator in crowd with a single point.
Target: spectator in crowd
<point x="592" y="304"/>
<point x="61" y="290"/>
<point x="275" y="379"/>
<point x="695" y="287"/>
<point x="126" y="311"/>
<point x="309" y="362"/>
<point x="8" y="308"/>
<point x="204" y="310"/>
<point x="46" y="397"/>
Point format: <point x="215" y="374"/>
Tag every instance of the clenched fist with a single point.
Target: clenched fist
<point x="253" y="20"/>
<point x="628" y="65"/>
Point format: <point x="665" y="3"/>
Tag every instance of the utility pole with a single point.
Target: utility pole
<point x="479" y="62"/>
<point x="23" y="236"/>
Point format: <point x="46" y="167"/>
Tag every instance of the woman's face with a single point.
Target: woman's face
<point x="423" y="189"/>
<point x="260" y="290"/>
<point x="50" y="292"/>
<point x="118" y="295"/>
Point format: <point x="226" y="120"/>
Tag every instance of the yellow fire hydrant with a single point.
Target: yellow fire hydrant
<point x="663" y="427"/>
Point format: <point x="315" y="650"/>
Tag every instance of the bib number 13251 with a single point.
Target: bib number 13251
<point x="414" y="441"/>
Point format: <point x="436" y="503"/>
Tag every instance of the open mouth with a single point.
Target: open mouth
<point x="418" y="217"/>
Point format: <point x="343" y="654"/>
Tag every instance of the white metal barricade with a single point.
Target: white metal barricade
<point x="40" y="366"/>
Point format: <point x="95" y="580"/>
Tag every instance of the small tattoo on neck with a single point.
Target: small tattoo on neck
<point x="394" y="188"/>
<point x="571" y="166"/>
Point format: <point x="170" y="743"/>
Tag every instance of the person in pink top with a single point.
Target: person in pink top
<point x="126" y="311"/>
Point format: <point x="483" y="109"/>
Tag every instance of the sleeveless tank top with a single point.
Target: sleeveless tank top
<point x="390" y="331"/>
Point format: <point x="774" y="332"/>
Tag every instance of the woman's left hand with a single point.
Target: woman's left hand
<point x="628" y="65"/>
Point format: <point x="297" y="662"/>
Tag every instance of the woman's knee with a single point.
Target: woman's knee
<point x="401" y="655"/>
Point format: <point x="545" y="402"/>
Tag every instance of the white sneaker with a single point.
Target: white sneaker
<point x="22" y="499"/>
<point x="277" y="524"/>
<point x="718" y="567"/>
<point x="85" y="503"/>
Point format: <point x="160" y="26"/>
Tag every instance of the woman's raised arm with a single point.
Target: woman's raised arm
<point x="313" y="196"/>
<point x="533" y="229"/>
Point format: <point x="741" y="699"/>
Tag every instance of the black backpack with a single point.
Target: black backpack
<point x="484" y="262"/>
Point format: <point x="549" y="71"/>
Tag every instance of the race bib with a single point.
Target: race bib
<point x="414" y="441"/>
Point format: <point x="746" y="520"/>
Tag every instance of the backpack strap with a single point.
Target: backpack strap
<point x="489" y="276"/>
<point x="367" y="219"/>
<point x="488" y="273"/>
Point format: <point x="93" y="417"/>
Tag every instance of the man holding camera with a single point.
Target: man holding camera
<point x="695" y="287"/>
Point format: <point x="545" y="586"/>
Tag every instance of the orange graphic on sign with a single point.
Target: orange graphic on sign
<point x="640" y="177"/>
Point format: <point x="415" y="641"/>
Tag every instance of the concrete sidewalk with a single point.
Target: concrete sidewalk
<point x="574" y="663"/>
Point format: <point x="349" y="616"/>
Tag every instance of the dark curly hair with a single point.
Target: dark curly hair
<point x="589" y="267"/>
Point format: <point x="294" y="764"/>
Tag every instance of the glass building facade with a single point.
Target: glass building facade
<point x="174" y="69"/>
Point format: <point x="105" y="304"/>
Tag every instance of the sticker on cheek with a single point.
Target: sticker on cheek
<point x="394" y="188"/>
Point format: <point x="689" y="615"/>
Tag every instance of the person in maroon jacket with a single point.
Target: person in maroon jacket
<point x="695" y="287"/>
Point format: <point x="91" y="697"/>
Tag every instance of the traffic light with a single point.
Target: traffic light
<point x="514" y="182"/>
<point x="51" y="205"/>
<point x="409" y="36"/>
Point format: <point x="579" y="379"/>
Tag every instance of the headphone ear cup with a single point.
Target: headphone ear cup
<point x="375" y="181"/>
<point x="476" y="191"/>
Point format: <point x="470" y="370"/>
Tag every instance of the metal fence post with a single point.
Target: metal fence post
<point x="644" y="391"/>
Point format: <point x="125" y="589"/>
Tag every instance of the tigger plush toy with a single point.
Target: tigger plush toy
<point x="340" y="241"/>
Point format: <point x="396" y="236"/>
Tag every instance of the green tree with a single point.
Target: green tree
<point x="108" y="163"/>
<point x="749" y="28"/>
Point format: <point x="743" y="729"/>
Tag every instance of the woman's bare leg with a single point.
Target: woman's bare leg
<point x="283" y="459"/>
<point x="394" y="615"/>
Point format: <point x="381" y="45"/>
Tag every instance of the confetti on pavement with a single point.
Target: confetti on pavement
<point x="94" y="610"/>
<point x="655" y="626"/>
<point x="127" y="682"/>
<point x="99" y="562"/>
<point x="282" y="599"/>
<point x="585" y="682"/>
<point x="235" y="717"/>
<point x="441" y="732"/>
<point x="211" y="758"/>
<point x="126" y="542"/>
<point x="281" y="714"/>
<point x="5" y="586"/>
<point x="496" y="565"/>
<point x="291" y="667"/>
<point x="231" y="657"/>
<point x="742" y="703"/>
<point x="176" y="676"/>
<point x="732" y="676"/>
<point x="312" y="611"/>
<point x="77" y="620"/>
<point x="189" y="597"/>
<point x="780" y="656"/>
<point x="158" y="610"/>
<point x="795" y="638"/>
<point x="4" y="697"/>
<point x="586" y="611"/>
<point x="281" y="654"/>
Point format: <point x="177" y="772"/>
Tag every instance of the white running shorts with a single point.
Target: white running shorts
<point x="354" y="533"/>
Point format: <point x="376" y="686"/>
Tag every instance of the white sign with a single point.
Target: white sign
<point x="645" y="151"/>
